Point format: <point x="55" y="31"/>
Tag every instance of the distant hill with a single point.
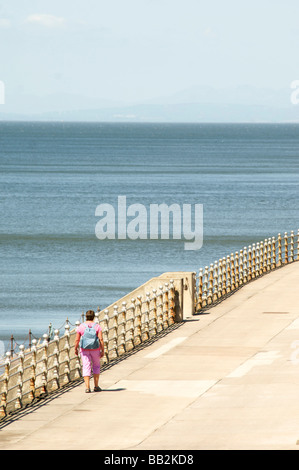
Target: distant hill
<point x="195" y="104"/>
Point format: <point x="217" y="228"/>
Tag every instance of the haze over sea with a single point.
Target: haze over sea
<point x="54" y="175"/>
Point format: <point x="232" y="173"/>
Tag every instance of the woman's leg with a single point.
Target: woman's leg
<point x="96" y="379"/>
<point x="87" y="381"/>
<point x="86" y="366"/>
<point x="96" y="364"/>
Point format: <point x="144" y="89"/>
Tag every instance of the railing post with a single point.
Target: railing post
<point x="18" y="402"/>
<point x="154" y="310"/>
<point x="139" y="318"/>
<point x="249" y="264"/>
<point x="257" y="260"/>
<point x="199" y="289"/>
<point x="115" y="330"/>
<point x="286" y="253"/>
<point x="171" y="303"/>
<point x="292" y="246"/>
<point x="210" y="285"/>
<point x="146" y="315"/>
<point x="223" y="277"/>
<point x="165" y="306"/>
<point x="261" y="258"/>
<point x="205" y="287"/>
<point x="253" y="262"/>
<point x="11" y="345"/>
<point x="105" y="335"/>
<point x="232" y="270"/>
<point x="56" y="360"/>
<point x="273" y="253"/>
<point x="133" y="307"/>
<point x="269" y="255"/>
<point x="241" y="267"/>
<point x="245" y="266"/>
<point x="228" y="275"/>
<point x="3" y="407"/>
<point x="265" y="255"/>
<point x="122" y="328"/>
<point x="215" y="282"/>
<point x="279" y="262"/>
<point x="130" y="325"/>
<point x="237" y="273"/>
<point x="33" y="370"/>
<point x="66" y="349"/>
<point x="159" y="309"/>
<point x="220" y="278"/>
<point x="45" y="364"/>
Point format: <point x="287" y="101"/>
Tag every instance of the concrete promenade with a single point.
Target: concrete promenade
<point x="225" y="379"/>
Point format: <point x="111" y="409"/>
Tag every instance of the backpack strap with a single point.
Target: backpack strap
<point x="93" y="325"/>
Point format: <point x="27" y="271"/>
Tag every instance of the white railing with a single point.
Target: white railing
<point x="229" y="273"/>
<point x="48" y="366"/>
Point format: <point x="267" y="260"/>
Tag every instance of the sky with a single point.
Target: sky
<point x="133" y="51"/>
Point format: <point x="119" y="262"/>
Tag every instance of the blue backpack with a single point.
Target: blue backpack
<point x="89" y="339"/>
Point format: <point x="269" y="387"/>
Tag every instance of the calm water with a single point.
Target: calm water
<point x="53" y="176"/>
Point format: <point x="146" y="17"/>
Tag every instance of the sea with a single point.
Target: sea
<point x="54" y="175"/>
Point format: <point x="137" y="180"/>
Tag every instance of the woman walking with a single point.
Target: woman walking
<point x="89" y="336"/>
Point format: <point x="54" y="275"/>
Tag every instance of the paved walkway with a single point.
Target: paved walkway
<point x="227" y="379"/>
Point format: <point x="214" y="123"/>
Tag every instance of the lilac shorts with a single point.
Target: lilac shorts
<point x="90" y="357"/>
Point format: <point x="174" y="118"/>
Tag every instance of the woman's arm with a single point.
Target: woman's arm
<point x="100" y="336"/>
<point x="77" y="341"/>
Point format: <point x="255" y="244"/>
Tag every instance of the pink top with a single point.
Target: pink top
<point x="81" y="329"/>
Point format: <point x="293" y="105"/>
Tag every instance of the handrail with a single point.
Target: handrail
<point x="229" y="273"/>
<point x="52" y="364"/>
